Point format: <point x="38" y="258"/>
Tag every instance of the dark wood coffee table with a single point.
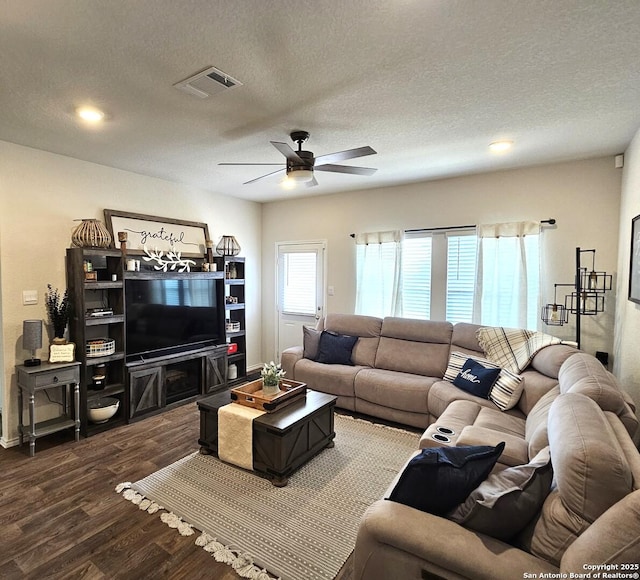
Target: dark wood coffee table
<point x="283" y="440"/>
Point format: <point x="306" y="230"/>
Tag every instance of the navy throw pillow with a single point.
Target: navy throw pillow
<point x="335" y="348"/>
<point x="439" y="478"/>
<point x="476" y="378"/>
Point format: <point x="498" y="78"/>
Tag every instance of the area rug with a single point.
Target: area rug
<point x="305" y="530"/>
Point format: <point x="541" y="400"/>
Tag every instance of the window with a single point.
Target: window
<point x="461" y="276"/>
<point x="438" y="275"/>
<point x="298" y="287"/>
<point x="416" y="277"/>
<point x="438" y="278"/>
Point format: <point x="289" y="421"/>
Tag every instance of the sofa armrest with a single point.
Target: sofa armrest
<point x="440" y="546"/>
<point x="288" y="360"/>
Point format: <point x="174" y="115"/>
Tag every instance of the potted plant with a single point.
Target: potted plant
<point x="58" y="312"/>
<point x="271" y="374"/>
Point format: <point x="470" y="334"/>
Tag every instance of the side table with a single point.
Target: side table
<point x="39" y="378"/>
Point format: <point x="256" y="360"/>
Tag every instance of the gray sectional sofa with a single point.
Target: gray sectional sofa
<point x="571" y="407"/>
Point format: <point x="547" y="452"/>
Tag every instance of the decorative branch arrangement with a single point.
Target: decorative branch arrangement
<point x="57" y="310"/>
<point x="170" y="261"/>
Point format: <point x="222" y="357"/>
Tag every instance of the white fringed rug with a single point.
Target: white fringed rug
<point x="304" y="531"/>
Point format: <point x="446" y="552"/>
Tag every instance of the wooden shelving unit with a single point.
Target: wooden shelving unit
<point x="86" y="295"/>
<point x="234" y="272"/>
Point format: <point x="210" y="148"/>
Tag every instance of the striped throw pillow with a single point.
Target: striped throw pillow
<point x="507" y="389"/>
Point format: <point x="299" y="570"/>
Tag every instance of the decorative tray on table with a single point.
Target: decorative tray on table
<point x="250" y="395"/>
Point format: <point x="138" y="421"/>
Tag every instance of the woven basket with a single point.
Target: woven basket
<point x="91" y="233"/>
<point x="100" y="347"/>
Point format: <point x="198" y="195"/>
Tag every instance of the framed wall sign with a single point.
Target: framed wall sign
<point x="634" y="270"/>
<point x="62" y="352"/>
<point x="157" y="233"/>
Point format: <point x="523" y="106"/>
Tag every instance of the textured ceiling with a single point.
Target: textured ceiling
<point x="427" y="83"/>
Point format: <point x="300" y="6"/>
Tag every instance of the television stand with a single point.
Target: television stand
<point x="165" y="382"/>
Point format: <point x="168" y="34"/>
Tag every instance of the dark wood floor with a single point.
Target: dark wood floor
<point x="61" y="518"/>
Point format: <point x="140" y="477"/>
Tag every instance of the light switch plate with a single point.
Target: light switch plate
<point x="29" y="297"/>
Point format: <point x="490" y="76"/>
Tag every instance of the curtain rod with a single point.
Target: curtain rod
<point x="550" y="221"/>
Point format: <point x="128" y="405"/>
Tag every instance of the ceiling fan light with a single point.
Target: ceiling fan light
<point x="300" y="175"/>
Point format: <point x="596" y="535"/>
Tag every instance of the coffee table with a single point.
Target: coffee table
<point x="284" y="440"/>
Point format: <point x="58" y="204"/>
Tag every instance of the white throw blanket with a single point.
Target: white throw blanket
<point x="235" y="434"/>
<point x="514" y="348"/>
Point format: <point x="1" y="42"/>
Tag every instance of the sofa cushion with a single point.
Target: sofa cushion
<point x="420" y="347"/>
<point x="549" y="360"/>
<point x="366" y="328"/>
<point x="506" y="501"/>
<point x="393" y="389"/>
<point x="536" y="385"/>
<point x="535" y="429"/>
<point x="438" y="479"/>
<point x="614" y="538"/>
<point x="443" y="393"/>
<point x="310" y="342"/>
<point x="476" y="378"/>
<point x="591" y="474"/>
<point x="335" y="348"/>
<point x="516" y="451"/>
<point x="498" y="421"/>
<point x="507" y="388"/>
<point x="335" y="380"/>
<point x="584" y="374"/>
<point x="465" y="337"/>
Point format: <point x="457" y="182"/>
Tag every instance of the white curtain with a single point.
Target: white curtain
<point x="508" y="275"/>
<point x="379" y="273"/>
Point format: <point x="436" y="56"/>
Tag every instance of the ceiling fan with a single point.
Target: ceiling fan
<point x="301" y="165"/>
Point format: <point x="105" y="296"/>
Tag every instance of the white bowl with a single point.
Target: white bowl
<point x="101" y="410"/>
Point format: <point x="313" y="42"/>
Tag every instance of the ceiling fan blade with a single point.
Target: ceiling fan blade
<point x="345" y="169"/>
<point x="344" y="155"/>
<point x="249" y="163"/>
<point x="312" y="183"/>
<point x="263" y="176"/>
<point x="286" y="150"/>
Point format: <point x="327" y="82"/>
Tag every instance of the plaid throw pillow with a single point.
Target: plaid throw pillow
<point x="505" y="392"/>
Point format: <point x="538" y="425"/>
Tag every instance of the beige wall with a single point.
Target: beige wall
<point x="627" y="331"/>
<point x="583" y="196"/>
<point x="40" y="196"/>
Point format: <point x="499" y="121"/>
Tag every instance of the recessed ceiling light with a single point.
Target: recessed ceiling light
<point x="90" y="114"/>
<point x="501" y="146"/>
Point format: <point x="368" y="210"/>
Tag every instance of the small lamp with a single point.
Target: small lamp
<point x="555" y="314"/>
<point x="590" y="303"/>
<point x="228" y="246"/>
<point x="32" y="340"/>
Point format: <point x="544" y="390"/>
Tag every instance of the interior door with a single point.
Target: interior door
<point x="300" y="292"/>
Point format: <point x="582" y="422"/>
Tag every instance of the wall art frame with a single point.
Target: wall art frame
<point x="157" y="233"/>
<point x="634" y="269"/>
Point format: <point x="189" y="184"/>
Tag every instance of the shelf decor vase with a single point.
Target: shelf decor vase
<point x="91" y="233"/>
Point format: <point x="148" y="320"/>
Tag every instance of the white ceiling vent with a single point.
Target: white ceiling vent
<point x="207" y="82"/>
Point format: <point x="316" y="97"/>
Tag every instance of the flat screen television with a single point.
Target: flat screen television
<point x="169" y="315"/>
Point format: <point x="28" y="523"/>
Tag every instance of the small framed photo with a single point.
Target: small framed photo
<point x="634" y="271"/>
